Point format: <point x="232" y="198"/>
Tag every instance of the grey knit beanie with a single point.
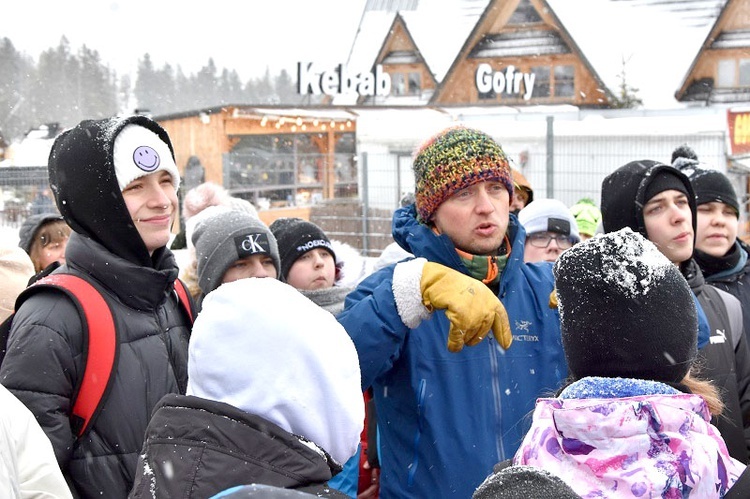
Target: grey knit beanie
<point x="224" y="237"/>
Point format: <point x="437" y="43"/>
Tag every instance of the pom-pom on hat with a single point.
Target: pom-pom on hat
<point x="625" y="310"/>
<point x="454" y="159"/>
<point x="296" y="237"/>
<point x="524" y="482"/>
<point x="139" y="152"/>
<point x="225" y="236"/>
<point x="549" y="215"/>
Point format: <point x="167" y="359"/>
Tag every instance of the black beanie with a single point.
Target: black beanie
<point x="712" y="185"/>
<point x="626" y="191"/>
<point x="83" y="179"/>
<point x="625" y="310"/>
<point x="524" y="482"/>
<point x="296" y="237"/>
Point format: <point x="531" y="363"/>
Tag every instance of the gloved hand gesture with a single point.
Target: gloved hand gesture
<point x="470" y="306"/>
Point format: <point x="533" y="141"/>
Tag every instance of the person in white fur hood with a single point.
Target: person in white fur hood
<point x="273" y="398"/>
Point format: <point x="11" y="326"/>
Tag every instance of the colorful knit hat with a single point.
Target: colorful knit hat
<point x="452" y="160"/>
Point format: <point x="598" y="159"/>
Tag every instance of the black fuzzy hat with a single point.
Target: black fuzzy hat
<point x="625" y="310"/>
<point x="711" y="185"/>
<point x="296" y="237"/>
<point x="84" y="181"/>
<point x="627" y="190"/>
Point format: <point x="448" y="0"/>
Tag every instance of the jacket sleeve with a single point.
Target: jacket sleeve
<point x="371" y="318"/>
<point x="42" y="363"/>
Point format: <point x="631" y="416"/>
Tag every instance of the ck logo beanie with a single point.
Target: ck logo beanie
<point x="225" y="236"/>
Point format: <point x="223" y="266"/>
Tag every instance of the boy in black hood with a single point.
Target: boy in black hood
<point x="115" y="183"/>
<point x="658" y="201"/>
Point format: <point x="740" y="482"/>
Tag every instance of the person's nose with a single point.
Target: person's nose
<point x="318" y="260"/>
<point x="484" y="202"/>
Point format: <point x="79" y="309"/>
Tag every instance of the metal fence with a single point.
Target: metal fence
<point x="562" y="166"/>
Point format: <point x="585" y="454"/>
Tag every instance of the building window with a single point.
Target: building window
<point x="415" y="84"/>
<point x="541" y="81"/>
<point x="398" y="84"/>
<point x="732" y="73"/>
<point x="565" y="81"/>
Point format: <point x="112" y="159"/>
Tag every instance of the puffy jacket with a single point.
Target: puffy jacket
<point x="649" y="445"/>
<point x="445" y="418"/>
<point x="196" y="448"/>
<point x="45" y="361"/>
<point x="725" y="360"/>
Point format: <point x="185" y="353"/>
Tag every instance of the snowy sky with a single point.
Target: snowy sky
<point x="245" y="35"/>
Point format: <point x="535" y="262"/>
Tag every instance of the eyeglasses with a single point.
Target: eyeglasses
<point x="542" y="240"/>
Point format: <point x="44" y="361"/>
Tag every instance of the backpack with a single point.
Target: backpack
<point x="100" y="345"/>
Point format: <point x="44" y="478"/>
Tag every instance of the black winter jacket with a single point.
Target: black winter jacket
<point x="737" y="283"/>
<point x="725" y="360"/>
<point x="196" y="448"/>
<point x="44" y="363"/>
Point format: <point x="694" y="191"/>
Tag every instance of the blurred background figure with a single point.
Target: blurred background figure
<point x="394" y="253"/>
<point x="550" y="230"/>
<point x="44" y="237"/>
<point x="16" y="269"/>
<point x="523" y="194"/>
<point x="588" y="218"/>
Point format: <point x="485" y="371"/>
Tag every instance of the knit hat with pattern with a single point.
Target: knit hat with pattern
<point x="452" y="160"/>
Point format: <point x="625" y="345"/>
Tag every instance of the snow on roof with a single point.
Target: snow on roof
<point x="656" y="46"/>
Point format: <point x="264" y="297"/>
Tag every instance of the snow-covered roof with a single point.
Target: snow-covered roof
<point x="653" y="41"/>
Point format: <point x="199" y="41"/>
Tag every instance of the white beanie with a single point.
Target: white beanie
<point x="549" y="215"/>
<point x="261" y="346"/>
<point x="138" y="152"/>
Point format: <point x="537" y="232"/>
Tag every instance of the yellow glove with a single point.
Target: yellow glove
<point x="553" y="299"/>
<point x="471" y="307"/>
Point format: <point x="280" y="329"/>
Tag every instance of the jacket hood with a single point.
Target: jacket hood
<point x="83" y="179"/>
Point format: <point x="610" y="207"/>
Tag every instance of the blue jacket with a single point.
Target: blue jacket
<point x="446" y="418"/>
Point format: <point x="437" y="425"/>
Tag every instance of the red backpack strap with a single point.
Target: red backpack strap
<point x="99" y="342"/>
<point x="184" y="298"/>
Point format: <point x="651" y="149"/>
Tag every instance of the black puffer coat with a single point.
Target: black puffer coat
<point x="725" y="360"/>
<point x="196" y="448"/>
<point x="45" y="361"/>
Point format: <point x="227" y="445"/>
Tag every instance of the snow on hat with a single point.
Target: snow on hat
<point x="31" y="225"/>
<point x="225" y="236"/>
<point x="587" y="215"/>
<point x="625" y="310"/>
<point x="138" y="152"/>
<point x="549" y="215"/>
<point x="522" y="482"/>
<point x="452" y="160"/>
<point x="296" y="237"/>
<point x="626" y="191"/>
<point x="243" y="335"/>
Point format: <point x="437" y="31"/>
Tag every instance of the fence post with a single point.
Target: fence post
<point x="365" y="204"/>
<point x="550" y="158"/>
